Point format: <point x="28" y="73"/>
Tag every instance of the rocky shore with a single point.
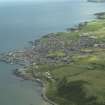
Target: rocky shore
<point x="51" y="49"/>
<point x="26" y="76"/>
<point x="100" y="15"/>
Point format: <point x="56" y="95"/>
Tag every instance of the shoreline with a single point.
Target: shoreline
<point x="41" y="83"/>
<point x="32" y="76"/>
<point x="39" y="80"/>
<point x="45" y="98"/>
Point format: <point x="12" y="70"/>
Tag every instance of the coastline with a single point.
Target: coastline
<point x="22" y="73"/>
<point x="34" y="78"/>
<point x="45" y="98"/>
<point x="41" y="83"/>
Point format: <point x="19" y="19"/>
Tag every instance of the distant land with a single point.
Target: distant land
<point x="96" y="0"/>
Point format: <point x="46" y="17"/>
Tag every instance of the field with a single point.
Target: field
<point x="82" y="82"/>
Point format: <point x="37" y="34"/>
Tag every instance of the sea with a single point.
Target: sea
<point x="21" y="22"/>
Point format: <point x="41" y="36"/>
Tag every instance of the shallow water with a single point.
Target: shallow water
<point x="22" y="22"/>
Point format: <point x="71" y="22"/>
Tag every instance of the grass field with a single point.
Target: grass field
<point x="82" y="82"/>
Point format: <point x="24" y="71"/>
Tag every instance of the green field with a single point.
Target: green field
<point x="81" y="82"/>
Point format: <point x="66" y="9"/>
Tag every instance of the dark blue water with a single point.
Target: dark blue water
<point x="22" y="22"/>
